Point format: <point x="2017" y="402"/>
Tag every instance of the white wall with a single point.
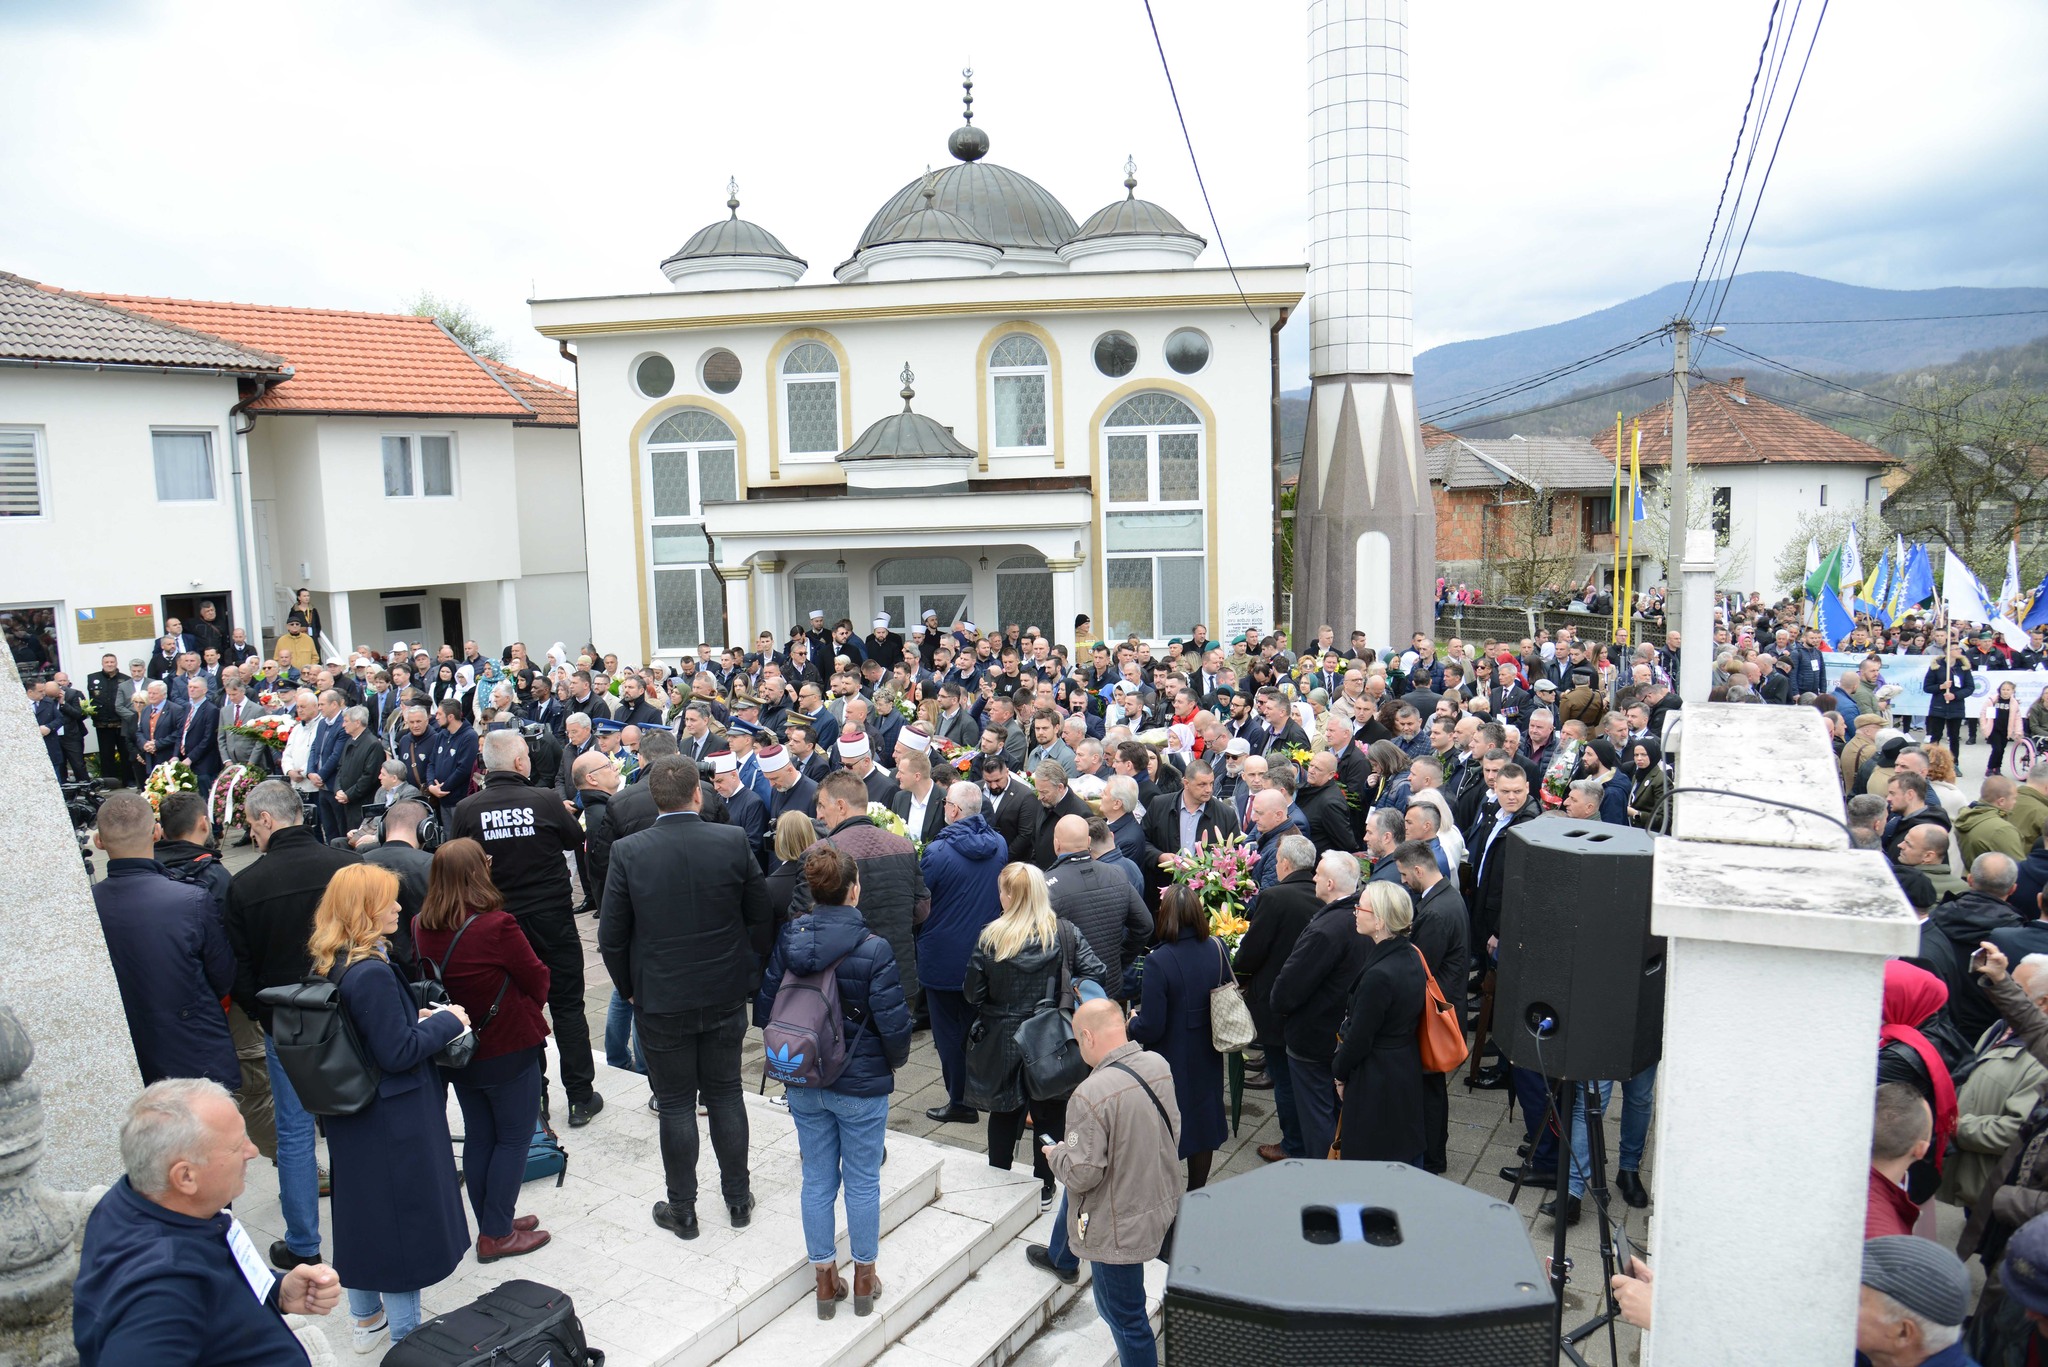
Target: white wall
<point x="1767" y="501"/>
<point x="103" y="538"/>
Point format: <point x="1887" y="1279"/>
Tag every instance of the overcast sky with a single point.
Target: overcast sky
<point x="348" y="155"/>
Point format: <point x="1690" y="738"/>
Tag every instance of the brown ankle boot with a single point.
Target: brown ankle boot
<point x="831" y="1289"/>
<point x="866" y="1286"/>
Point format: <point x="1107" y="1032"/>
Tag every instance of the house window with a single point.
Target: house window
<point x="1823" y="495"/>
<point x="184" y="466"/>
<point x="21" y="473"/>
<point x="810" y="399"/>
<point x="910" y="586"/>
<point x="692" y="459"/>
<point x="419" y="466"/>
<point x="1018" y="376"/>
<point x="1599" y="516"/>
<point x="1723" y="499"/>
<point x="820" y="585"/>
<point x="1153" y="530"/>
<point x="402" y="620"/>
<point x="1024" y="592"/>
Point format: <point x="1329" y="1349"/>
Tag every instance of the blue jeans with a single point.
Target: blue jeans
<point x="619" y="1029"/>
<point x="500" y="1101"/>
<point x="842" y="1139"/>
<point x="1282" y="1075"/>
<point x="1120" y="1300"/>
<point x="1056" y="1245"/>
<point x="298" y="1166"/>
<point x="403" y="1307"/>
<point x="1636" y="1095"/>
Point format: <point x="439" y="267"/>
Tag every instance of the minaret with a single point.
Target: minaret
<point x="1365" y="525"/>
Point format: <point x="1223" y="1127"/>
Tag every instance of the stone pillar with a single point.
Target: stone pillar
<point x="39" y="1228"/>
<point x="739" y="622"/>
<point x="1063" y="599"/>
<point x="1696" y="623"/>
<point x="1777" y="936"/>
<point x="53" y="960"/>
<point x="767" y="603"/>
<point x="341" y="630"/>
<point x="508" y="617"/>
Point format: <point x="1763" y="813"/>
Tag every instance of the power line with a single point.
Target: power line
<point x="1909" y="318"/>
<point x="1780" y="45"/>
<point x="1769" y="27"/>
<point x="1487" y="420"/>
<point x="1188" y="138"/>
<point x="1537" y="381"/>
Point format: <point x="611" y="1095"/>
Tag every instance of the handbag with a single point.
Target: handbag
<point x="432" y="991"/>
<point x="1230" y="1018"/>
<point x="1440" y="1034"/>
<point x="317" y="1046"/>
<point x="1053" y="1066"/>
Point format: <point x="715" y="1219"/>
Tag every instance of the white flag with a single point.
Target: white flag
<point x="2010" y="592"/>
<point x="1961" y="592"/>
<point x="1852" y="572"/>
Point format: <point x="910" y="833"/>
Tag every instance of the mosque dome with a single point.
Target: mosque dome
<point x="732" y="254"/>
<point x="906" y="450"/>
<point x="1131" y="234"/>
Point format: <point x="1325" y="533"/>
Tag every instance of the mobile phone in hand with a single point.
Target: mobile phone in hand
<point x="1978" y="958"/>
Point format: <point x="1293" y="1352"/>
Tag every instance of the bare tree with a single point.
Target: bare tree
<point x="1532" y="543"/>
<point x="1977" y="454"/>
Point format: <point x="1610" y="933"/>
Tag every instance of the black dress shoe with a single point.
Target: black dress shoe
<point x="1257" y="1082"/>
<point x="1530" y="1177"/>
<point x="1630" y="1184"/>
<point x="580" y="1112"/>
<point x="1522" y="1150"/>
<point x="1493" y="1079"/>
<point x="1041" y="1258"/>
<point x="680" y="1221"/>
<point x="741" y="1211"/>
<point x="953" y="1115"/>
<point x="1571" y="1209"/>
<point x="284" y="1260"/>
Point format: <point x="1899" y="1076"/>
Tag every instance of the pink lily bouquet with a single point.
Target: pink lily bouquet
<point x="1223" y="873"/>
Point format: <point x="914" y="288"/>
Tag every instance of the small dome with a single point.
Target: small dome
<point x="733" y="237"/>
<point x="930" y="224"/>
<point x="1133" y="217"/>
<point x="732" y="253"/>
<point x="1003" y="208"/>
<point x="906" y="436"/>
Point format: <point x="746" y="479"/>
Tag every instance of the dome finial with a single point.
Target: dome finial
<point x="732" y="195"/>
<point x="908" y="379"/>
<point x="1130" y="177"/>
<point x="931" y="186"/>
<point x="968" y="143"/>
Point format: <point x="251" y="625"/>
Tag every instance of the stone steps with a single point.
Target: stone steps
<point x="991" y="1318"/>
<point x="1077" y="1337"/>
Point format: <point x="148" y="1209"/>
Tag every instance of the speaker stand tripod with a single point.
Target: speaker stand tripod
<point x="1563" y="1095"/>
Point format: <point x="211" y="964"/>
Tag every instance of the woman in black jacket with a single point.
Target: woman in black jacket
<point x="1016" y="965"/>
<point x="794" y="833"/>
<point x="1184" y="967"/>
<point x="1378" y="1066"/>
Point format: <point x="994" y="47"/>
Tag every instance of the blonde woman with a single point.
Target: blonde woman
<point x="397" y="1210"/>
<point x="1378" y="1066"/>
<point x="1016" y="965"/>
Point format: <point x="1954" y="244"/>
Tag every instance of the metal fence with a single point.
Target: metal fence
<point x="1473" y="623"/>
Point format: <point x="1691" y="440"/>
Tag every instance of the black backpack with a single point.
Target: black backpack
<point x="317" y="1046"/>
<point x="520" y="1324"/>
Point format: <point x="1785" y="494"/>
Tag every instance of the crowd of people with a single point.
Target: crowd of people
<point x="842" y="839"/>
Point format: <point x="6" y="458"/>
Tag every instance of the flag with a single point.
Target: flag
<point x="1635" y="475"/>
<point x="1835" y="621"/>
<point x="1964" y="596"/>
<point x="1877" y="589"/>
<point x="1852" y="567"/>
<point x="2037" y="610"/>
<point x="1916" y="580"/>
<point x="2009" y="592"/>
<point x="1824" y="579"/>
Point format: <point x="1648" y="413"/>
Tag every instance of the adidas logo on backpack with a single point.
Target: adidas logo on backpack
<point x="805" y="1038"/>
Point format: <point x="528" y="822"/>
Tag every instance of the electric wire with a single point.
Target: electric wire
<point x="1907" y="318"/>
<point x="1770" y="27"/>
<point x="1775" y="62"/>
<point x="1537" y="381"/>
<point x="1188" y="138"/>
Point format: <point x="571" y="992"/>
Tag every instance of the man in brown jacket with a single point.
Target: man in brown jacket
<point x="1122" y="1172"/>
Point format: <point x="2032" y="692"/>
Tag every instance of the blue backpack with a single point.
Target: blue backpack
<point x="805" y="1038"/>
<point x="545" y="1156"/>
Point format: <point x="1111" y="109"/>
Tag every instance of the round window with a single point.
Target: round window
<point x="654" y="375"/>
<point x="721" y="371"/>
<point x="1187" y="351"/>
<point x="1116" y="354"/>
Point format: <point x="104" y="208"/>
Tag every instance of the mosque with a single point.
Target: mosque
<point x="992" y="413"/>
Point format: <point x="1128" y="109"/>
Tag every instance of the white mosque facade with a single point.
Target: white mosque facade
<point x="993" y="413"/>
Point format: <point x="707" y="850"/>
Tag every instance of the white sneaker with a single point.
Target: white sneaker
<point x="365" y="1336"/>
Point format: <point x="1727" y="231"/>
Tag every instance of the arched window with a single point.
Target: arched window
<point x="1153" y="532"/>
<point x="810" y="399"/>
<point x="907" y="587"/>
<point x="1024" y="593"/>
<point x="691" y="460"/>
<point x="819" y="584"/>
<point x="1018" y="377"/>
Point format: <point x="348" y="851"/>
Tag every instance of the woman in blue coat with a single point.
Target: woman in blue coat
<point x="1173" y="1022"/>
<point x="397" y="1209"/>
<point x="842" y="1126"/>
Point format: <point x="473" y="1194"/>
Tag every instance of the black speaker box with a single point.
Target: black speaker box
<point x="1311" y="1263"/>
<point x="1580" y="992"/>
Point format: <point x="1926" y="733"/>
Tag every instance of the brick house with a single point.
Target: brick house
<point x="1519" y="512"/>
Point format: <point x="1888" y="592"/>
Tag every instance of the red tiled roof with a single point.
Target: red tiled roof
<point x="1727" y="425"/>
<point x="348" y="362"/>
<point x="554" y="405"/>
<point x="1432" y="435"/>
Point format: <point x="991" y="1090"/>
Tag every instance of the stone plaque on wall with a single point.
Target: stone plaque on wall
<point x="126" y="622"/>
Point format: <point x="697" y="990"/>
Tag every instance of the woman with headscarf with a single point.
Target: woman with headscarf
<point x="1917" y="1045"/>
<point x="1646" y="793"/>
<point x="445" y="684"/>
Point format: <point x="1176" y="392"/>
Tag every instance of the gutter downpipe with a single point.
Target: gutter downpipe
<point x="1279" y="517"/>
<point x="238" y="449"/>
<point x="582" y="504"/>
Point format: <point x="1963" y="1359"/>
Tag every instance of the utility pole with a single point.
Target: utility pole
<point x="1674" y="551"/>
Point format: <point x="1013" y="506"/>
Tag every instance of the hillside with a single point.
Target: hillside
<point x="1767" y="312"/>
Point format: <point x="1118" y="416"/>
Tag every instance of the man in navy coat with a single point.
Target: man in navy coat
<point x="172" y="960"/>
<point x="167" y="1274"/>
<point x="199" y="734"/>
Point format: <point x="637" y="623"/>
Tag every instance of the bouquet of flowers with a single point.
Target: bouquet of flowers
<point x="172" y="776"/>
<point x="952" y="755"/>
<point x="1223" y="874"/>
<point x="1301" y="755"/>
<point x="887" y="820"/>
<point x="86" y="706"/>
<point x="906" y="708"/>
<point x="269" y="732"/>
<point x="224" y="802"/>
<point x="1557" y="779"/>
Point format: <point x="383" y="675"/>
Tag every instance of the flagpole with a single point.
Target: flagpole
<point x="1627" y="601"/>
<point x="1614" y="525"/>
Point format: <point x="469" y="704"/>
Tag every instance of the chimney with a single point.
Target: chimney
<point x="1738" y="388"/>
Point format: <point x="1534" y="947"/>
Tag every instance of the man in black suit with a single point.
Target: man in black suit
<point x="633" y="708"/>
<point x="1322" y="801"/>
<point x="1285" y="909"/>
<point x="1283" y="732"/>
<point x="684" y="926"/>
<point x="919" y="800"/>
<point x="792" y="792"/>
<point x="199" y="734"/>
<point x="1055" y="800"/>
<point x="1515" y="805"/>
<point x="362" y="759"/>
<point x="157" y="719"/>
<point x="103" y="687"/>
<point x="1177" y="822"/>
<point x="66" y="738"/>
<point x="743" y="807"/>
<point x="1010" y="807"/>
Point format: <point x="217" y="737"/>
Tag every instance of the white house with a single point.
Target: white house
<point x="993" y="413"/>
<point x="418" y="490"/>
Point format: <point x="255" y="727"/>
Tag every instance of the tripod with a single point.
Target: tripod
<point x="1563" y="1095"/>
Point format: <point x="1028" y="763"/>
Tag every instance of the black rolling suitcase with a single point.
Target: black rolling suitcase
<point x="521" y="1324"/>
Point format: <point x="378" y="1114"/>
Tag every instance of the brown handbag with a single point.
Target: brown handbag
<point x="1440" y="1034"/>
